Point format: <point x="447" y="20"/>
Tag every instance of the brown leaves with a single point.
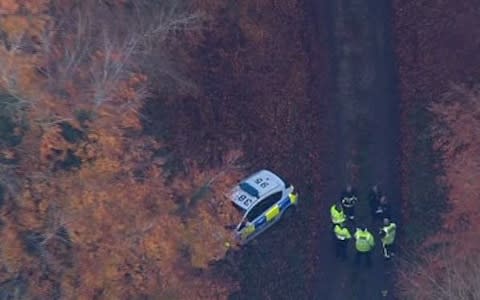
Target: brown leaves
<point x="9" y="6"/>
<point x="110" y="216"/>
<point x="429" y="60"/>
<point x="456" y="131"/>
<point x="53" y="146"/>
<point x="130" y="230"/>
<point x="208" y="208"/>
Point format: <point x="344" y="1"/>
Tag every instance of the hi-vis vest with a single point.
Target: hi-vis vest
<point x="389" y="231"/>
<point x="342" y="233"/>
<point x="293" y="197"/>
<point x="364" y="241"/>
<point x="337" y="216"/>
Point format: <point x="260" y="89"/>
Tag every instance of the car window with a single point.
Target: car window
<point x="263" y="206"/>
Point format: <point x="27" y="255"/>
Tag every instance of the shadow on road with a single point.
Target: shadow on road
<point x="367" y="130"/>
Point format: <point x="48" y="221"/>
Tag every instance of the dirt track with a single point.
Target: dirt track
<point x="367" y="147"/>
<point x="345" y="129"/>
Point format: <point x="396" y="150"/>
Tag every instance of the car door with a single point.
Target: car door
<point x="261" y="216"/>
<point x="273" y="213"/>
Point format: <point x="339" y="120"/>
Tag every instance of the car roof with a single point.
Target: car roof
<point x="262" y="176"/>
<point x="258" y="185"/>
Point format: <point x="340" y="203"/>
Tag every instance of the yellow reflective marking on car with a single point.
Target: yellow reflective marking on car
<point x="293" y="198"/>
<point x="248" y="231"/>
<point x="272" y="212"/>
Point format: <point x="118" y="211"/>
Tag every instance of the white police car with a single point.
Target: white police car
<point x="264" y="198"/>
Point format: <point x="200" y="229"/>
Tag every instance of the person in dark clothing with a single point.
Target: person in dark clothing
<point x="374" y="199"/>
<point x="348" y="199"/>
<point x="383" y="210"/>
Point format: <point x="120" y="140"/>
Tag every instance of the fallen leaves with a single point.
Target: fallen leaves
<point x="435" y="72"/>
<point x="457" y="133"/>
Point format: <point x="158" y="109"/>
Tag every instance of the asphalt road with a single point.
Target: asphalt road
<point x="366" y="134"/>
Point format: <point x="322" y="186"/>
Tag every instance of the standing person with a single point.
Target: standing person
<point x="364" y="243"/>
<point x="383" y="210"/>
<point x="374" y="199"/>
<point x="337" y="215"/>
<point x="342" y="235"/>
<point x="387" y="235"/>
<point x="349" y="199"/>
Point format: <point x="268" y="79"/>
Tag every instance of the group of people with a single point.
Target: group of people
<point x="344" y="211"/>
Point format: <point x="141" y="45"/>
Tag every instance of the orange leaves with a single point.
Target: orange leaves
<point x="36" y="6"/>
<point x="206" y="237"/>
<point x="15" y="26"/>
<point x="456" y="131"/>
<point x="30" y="21"/>
<point x="208" y="208"/>
<point x="9" y="255"/>
<point x="31" y="6"/>
<point x="9" y="6"/>
<point x="113" y="218"/>
<point x="53" y="146"/>
<point x="122" y="218"/>
<point x="163" y="243"/>
<point x="17" y="75"/>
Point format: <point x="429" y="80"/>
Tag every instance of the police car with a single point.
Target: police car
<point x="263" y="198"/>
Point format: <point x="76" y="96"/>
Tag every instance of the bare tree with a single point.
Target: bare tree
<point x="9" y="72"/>
<point x="55" y="224"/>
<point x="97" y="45"/>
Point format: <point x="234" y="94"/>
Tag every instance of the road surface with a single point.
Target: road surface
<point x="367" y="118"/>
<point x="346" y="131"/>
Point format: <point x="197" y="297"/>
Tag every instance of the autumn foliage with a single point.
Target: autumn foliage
<point x="450" y="268"/>
<point x="437" y="42"/>
<point x="96" y="212"/>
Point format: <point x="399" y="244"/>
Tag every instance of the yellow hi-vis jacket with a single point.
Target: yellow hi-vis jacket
<point x="293" y="197"/>
<point x="342" y="233"/>
<point x="364" y="240"/>
<point x="389" y="232"/>
<point x="337" y="216"/>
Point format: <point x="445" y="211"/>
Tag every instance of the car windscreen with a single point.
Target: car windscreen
<point x="249" y="189"/>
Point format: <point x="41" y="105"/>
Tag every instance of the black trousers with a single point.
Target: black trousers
<point x="373" y="203"/>
<point x="349" y="211"/>
<point x="363" y="257"/>
<point x="341" y="248"/>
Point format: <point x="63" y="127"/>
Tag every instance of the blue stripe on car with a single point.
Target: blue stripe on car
<point x="260" y="221"/>
<point x="284" y="204"/>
